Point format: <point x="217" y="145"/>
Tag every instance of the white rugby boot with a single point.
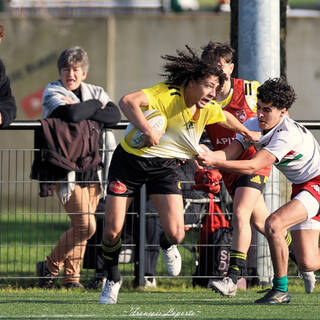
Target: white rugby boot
<point x="309" y="279"/>
<point x="172" y="259"/>
<point x="110" y="291"/>
<point x="150" y="283"/>
<point x="225" y="286"/>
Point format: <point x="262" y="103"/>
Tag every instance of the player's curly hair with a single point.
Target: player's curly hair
<point x="187" y="66"/>
<point x="214" y="51"/>
<point x="278" y="92"/>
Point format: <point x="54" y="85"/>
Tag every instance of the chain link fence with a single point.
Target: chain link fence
<point x="30" y="225"/>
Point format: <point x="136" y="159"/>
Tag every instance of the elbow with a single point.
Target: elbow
<point x="122" y="102"/>
<point x="125" y="103"/>
<point x="74" y="117"/>
<point x="113" y="120"/>
<point x="122" y="106"/>
<point x="116" y="115"/>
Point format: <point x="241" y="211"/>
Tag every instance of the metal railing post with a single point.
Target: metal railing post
<point x="142" y="235"/>
<point x="42" y="212"/>
<point x="259" y="59"/>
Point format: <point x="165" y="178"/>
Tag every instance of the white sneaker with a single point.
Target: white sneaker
<point x="172" y="259"/>
<point x="150" y="283"/>
<point x="309" y="279"/>
<point x="225" y="286"/>
<point x="109" y="294"/>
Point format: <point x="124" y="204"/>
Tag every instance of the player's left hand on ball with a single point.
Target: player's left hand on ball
<point x="153" y="138"/>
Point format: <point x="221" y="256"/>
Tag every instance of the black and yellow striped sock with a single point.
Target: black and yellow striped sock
<point x="237" y="265"/>
<point x="111" y="258"/>
<point x="288" y="238"/>
<point x="164" y="243"/>
<point x="291" y="252"/>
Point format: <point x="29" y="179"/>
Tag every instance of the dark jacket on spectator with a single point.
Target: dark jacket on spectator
<point x="65" y="146"/>
<point x="8" y="108"/>
<point x="69" y="138"/>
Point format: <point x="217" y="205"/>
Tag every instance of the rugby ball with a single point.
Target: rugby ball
<point x="135" y="138"/>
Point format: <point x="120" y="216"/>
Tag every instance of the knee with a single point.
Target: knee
<point x="176" y="237"/>
<point x="91" y="229"/>
<point x="273" y="227"/>
<point x="88" y="228"/>
<point x="306" y="262"/>
<point x="260" y="226"/>
<point x="240" y="218"/>
<point x="307" y="265"/>
<point x="110" y="237"/>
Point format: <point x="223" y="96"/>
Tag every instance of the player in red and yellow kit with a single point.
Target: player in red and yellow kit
<point x="239" y="97"/>
<point x="296" y="153"/>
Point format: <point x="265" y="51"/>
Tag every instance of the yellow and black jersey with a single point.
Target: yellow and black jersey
<point x="181" y="139"/>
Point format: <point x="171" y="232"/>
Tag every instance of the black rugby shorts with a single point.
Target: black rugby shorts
<point x="127" y="173"/>
<point x="255" y="181"/>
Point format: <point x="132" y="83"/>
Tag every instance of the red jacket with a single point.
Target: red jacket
<point x="221" y="137"/>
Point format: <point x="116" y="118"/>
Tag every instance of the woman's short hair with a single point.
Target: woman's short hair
<point x="73" y="56"/>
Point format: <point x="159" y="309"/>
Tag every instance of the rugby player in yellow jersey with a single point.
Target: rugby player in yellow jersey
<point x="186" y="100"/>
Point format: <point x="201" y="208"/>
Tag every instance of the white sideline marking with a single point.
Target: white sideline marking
<point x="59" y="316"/>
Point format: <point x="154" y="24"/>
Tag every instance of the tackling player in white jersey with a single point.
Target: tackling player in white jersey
<point x="296" y="153"/>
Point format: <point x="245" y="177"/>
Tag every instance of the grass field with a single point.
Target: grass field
<point x="161" y="304"/>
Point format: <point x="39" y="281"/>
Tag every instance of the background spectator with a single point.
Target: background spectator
<point x="8" y="106"/>
<point x="71" y="103"/>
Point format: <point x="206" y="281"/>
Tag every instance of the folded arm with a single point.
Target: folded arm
<point x="88" y="110"/>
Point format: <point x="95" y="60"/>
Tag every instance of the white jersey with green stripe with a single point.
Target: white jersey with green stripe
<point x="294" y="146"/>
<point x="183" y="133"/>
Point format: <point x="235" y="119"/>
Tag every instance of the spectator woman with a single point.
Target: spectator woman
<point x="70" y="104"/>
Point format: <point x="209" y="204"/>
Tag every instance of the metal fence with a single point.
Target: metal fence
<point x="30" y="225"/>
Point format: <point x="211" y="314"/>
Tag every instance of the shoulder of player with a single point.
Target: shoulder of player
<point x="164" y="90"/>
<point x="284" y="131"/>
<point x="289" y="125"/>
<point x="163" y="96"/>
<point x="212" y="106"/>
<point x="252" y="124"/>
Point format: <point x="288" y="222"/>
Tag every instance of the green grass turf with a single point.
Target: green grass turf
<point x="165" y="303"/>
